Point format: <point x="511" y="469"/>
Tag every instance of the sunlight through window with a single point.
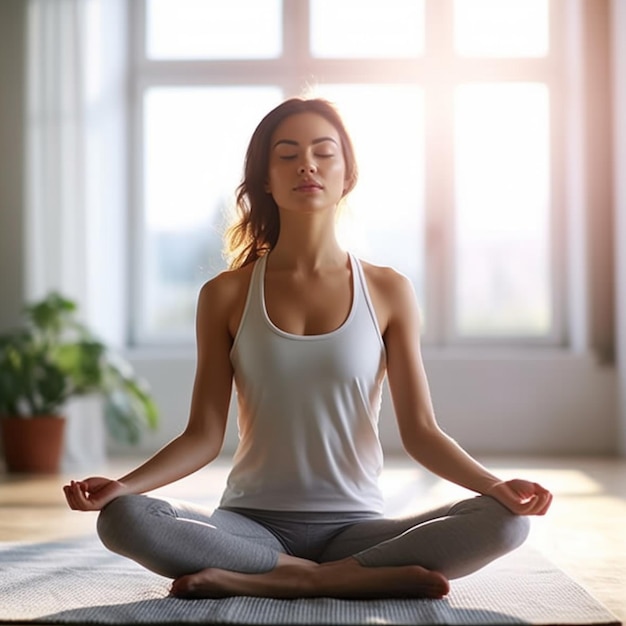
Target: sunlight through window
<point x="449" y="107"/>
<point x="501" y="28"/>
<point x="367" y="28"/>
<point x="194" y="152"/>
<point x="197" y="29"/>
<point x="502" y="194"/>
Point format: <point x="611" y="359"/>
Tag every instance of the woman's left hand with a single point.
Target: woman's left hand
<point x="522" y="497"/>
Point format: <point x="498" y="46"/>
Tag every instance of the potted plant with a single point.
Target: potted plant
<point x="49" y="360"/>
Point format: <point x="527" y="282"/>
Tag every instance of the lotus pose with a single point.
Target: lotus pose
<point x="307" y="333"/>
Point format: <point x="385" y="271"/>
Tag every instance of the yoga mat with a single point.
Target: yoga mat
<point x="79" y="582"/>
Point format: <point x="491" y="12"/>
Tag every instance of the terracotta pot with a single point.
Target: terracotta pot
<point x="33" y="445"/>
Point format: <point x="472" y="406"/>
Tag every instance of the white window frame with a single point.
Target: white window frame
<point x="438" y="71"/>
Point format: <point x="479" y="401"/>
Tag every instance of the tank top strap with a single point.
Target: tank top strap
<point x="362" y="282"/>
<point x="253" y="306"/>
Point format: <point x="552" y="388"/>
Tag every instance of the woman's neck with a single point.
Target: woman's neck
<point x="306" y="242"/>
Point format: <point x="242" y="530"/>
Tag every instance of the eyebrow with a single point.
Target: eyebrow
<point x="291" y="142"/>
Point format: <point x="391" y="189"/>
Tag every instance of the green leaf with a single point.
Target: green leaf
<point x="50" y="388"/>
<point x="82" y="364"/>
<point x="51" y="313"/>
<point x="53" y="357"/>
<point x="120" y="419"/>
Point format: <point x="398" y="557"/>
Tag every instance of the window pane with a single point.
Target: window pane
<point x="367" y="28"/>
<point x="502" y="210"/>
<point x="384" y="219"/>
<point x="195" y="142"/>
<point x="507" y="28"/>
<point x="211" y="29"/>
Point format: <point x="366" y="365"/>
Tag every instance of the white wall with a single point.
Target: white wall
<point x="619" y="112"/>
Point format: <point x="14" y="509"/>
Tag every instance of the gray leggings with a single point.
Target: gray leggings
<point x="174" y="538"/>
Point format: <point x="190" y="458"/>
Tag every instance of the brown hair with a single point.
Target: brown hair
<point x="255" y="231"/>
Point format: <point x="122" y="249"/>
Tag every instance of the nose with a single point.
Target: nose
<point x="309" y="168"/>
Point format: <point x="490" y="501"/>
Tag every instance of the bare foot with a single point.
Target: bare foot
<point x="340" y="579"/>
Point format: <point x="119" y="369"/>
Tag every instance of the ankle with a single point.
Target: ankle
<point x="308" y="580"/>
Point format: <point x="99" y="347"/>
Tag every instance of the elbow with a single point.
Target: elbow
<point x="204" y="447"/>
<point x="420" y="438"/>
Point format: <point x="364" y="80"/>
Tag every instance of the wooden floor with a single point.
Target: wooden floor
<point x="584" y="533"/>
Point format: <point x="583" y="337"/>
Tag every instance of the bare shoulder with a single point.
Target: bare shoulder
<point x="392" y="293"/>
<point x="387" y="282"/>
<point x="227" y="284"/>
<point x="223" y="297"/>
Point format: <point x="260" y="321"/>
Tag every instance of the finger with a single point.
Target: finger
<point x="526" y="489"/>
<point x="527" y="506"/>
<point x="545" y="504"/>
<point x="70" y="496"/>
<point x="520" y="497"/>
<point x="541" y="492"/>
<point x="85" y="502"/>
<point x="540" y="505"/>
<point x="74" y="496"/>
<point x="79" y="498"/>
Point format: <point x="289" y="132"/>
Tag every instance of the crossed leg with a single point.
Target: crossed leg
<point x="299" y="578"/>
<point x="449" y="542"/>
<point x="224" y="554"/>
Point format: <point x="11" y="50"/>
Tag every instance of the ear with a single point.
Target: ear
<point x="267" y="187"/>
<point x="347" y="184"/>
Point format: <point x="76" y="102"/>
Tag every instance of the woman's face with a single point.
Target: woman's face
<point x="307" y="169"/>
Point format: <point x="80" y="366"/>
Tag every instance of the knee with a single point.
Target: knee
<point x="503" y="530"/>
<point x="118" y="519"/>
<point x="509" y="531"/>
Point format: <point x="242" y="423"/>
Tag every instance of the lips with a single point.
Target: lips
<point x="308" y="185"/>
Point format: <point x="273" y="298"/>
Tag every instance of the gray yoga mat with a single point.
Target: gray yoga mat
<point x="79" y="582"/>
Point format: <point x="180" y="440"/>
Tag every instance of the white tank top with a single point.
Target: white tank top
<point x="308" y="410"/>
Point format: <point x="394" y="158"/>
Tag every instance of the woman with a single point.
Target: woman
<point x="307" y="332"/>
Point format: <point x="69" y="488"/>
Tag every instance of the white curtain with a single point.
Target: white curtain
<point x="55" y="187"/>
<point x="76" y="167"/>
<point x="76" y="171"/>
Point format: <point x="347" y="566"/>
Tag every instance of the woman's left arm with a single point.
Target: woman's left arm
<point x="421" y="436"/>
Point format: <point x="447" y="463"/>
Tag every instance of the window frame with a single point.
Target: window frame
<point x="290" y="72"/>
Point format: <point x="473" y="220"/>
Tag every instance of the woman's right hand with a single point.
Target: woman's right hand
<point x="93" y="494"/>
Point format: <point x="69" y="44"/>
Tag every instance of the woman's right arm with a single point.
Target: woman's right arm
<point x="202" y="439"/>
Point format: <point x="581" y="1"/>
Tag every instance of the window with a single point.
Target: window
<point x="191" y="162"/>
<point x="501" y="200"/>
<point x="451" y="107"/>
